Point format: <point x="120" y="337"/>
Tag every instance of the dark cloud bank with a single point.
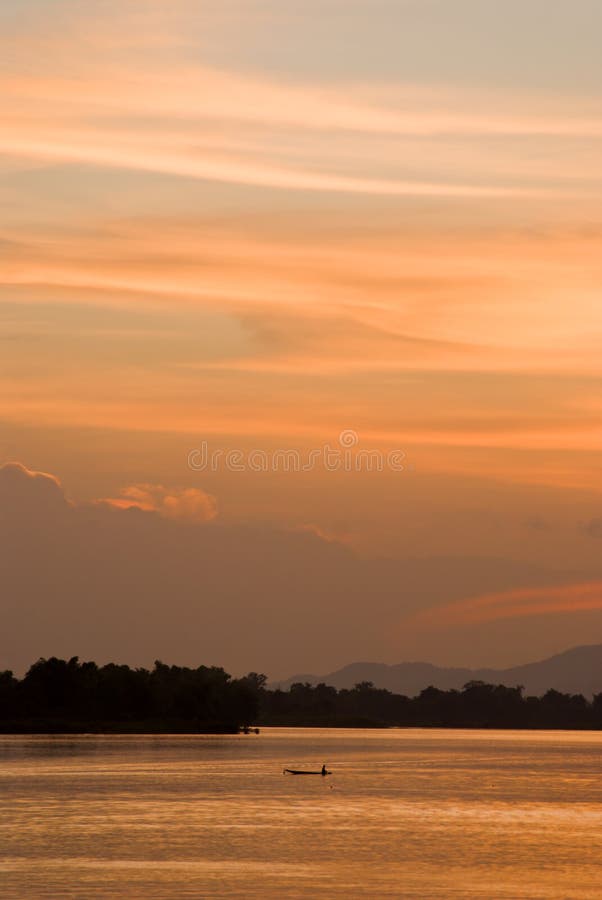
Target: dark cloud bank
<point x="130" y="585"/>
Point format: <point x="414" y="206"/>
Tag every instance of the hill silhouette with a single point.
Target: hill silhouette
<point x="575" y="671"/>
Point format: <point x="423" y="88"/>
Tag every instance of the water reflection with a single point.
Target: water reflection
<point x="408" y="813"/>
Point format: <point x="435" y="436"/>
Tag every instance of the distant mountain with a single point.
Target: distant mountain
<point x="576" y="671"/>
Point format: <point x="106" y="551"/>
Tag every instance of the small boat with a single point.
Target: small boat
<point x="304" y="772"/>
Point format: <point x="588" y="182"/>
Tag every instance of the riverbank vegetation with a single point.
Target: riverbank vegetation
<point x="477" y="705"/>
<point x="66" y="696"/>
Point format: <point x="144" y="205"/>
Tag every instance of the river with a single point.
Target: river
<point x="409" y="813"/>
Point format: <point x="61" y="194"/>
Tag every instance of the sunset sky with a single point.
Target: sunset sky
<point x="253" y="225"/>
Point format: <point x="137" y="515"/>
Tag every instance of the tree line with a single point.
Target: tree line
<point x="477" y="705"/>
<point x="59" y="695"/>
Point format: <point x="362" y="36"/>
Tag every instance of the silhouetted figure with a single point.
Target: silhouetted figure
<point x="324" y="772"/>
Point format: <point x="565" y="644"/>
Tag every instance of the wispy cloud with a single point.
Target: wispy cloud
<point x="78" y="100"/>
<point x="513" y="604"/>
<point x="353" y="243"/>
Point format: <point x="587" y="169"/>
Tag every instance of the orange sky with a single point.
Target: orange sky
<point x="258" y="226"/>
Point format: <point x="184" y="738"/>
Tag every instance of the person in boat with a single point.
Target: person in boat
<point x="324" y="772"/>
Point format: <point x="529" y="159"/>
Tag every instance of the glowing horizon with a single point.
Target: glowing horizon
<point x="261" y="224"/>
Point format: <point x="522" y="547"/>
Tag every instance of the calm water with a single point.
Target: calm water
<point x="412" y="814"/>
